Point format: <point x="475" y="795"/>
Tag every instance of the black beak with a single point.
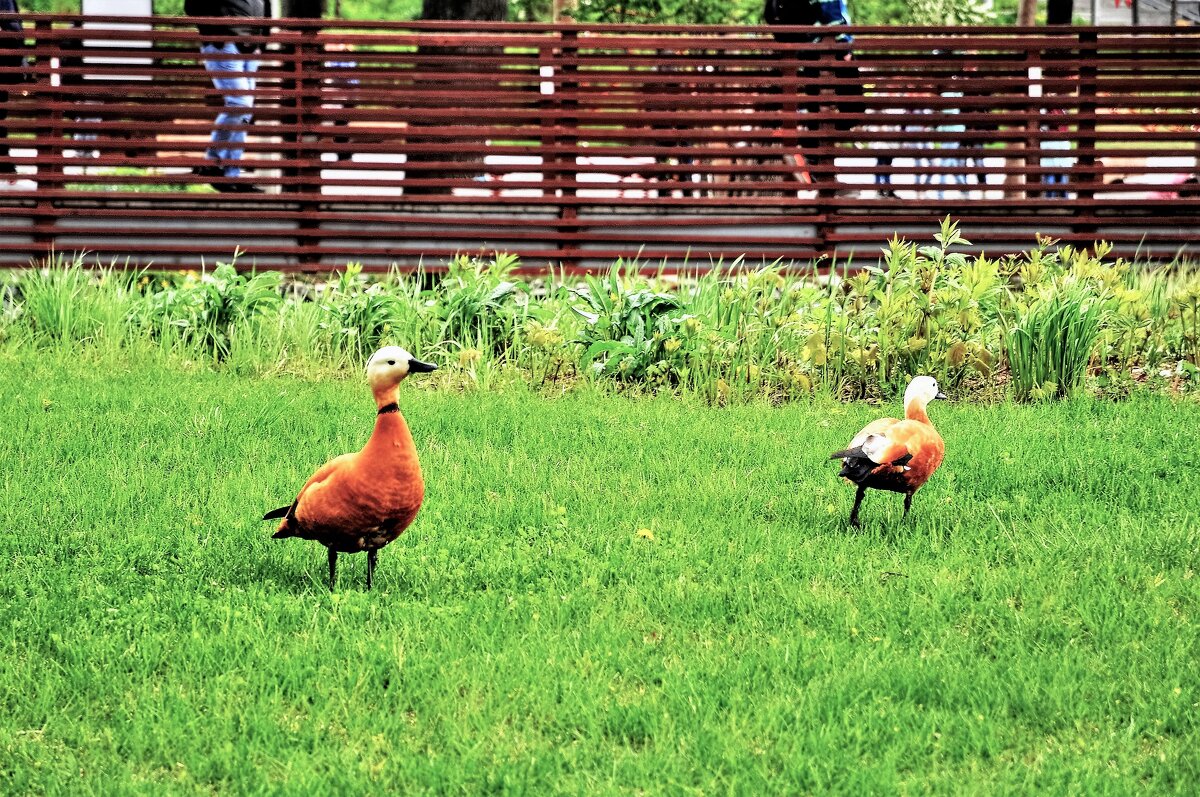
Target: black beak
<point x="418" y="367"/>
<point x="941" y="395"/>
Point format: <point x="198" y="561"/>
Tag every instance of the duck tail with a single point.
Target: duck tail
<point x="278" y="513"/>
<point x="848" y="452"/>
<point x="856" y="465"/>
<point x="286" y="527"/>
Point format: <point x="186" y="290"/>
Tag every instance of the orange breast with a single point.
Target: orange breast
<point x="924" y="444"/>
<point x="365" y="500"/>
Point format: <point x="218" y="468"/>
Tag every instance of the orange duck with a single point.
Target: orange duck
<point x="363" y="501"/>
<point x="896" y="455"/>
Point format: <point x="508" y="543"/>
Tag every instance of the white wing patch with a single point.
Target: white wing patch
<point x="874" y="445"/>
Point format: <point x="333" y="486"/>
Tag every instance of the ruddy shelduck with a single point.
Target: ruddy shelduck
<point x="363" y="501"/>
<point x="895" y="455"/>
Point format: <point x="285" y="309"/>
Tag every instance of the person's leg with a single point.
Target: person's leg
<point x="232" y="73"/>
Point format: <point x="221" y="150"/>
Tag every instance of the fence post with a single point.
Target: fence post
<point x="823" y="176"/>
<point x="564" y="163"/>
<point x="307" y="68"/>
<point x="48" y="139"/>
<point x="1035" y="73"/>
<point x="1086" y="164"/>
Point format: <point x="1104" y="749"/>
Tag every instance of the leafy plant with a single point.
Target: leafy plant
<point x="627" y="330"/>
<point x="478" y="303"/>
<point x="358" y="317"/>
<point x="205" y="310"/>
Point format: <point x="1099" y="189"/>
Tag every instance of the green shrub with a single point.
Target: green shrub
<point x="478" y="304"/>
<point x="627" y="327"/>
<point x="357" y="316"/>
<point x="204" y="311"/>
<point x="1042" y="320"/>
<point x="65" y="302"/>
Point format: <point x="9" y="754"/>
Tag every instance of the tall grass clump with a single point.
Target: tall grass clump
<point x="1052" y="341"/>
<point x="1185" y="306"/>
<point x="65" y="302"/>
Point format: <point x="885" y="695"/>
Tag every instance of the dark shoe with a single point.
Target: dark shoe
<point x="208" y="171"/>
<point x="237" y="185"/>
<point x="886" y="193"/>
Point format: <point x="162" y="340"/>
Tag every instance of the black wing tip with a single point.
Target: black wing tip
<point x="282" y="533"/>
<point x="847" y="452"/>
<point x="277" y="513"/>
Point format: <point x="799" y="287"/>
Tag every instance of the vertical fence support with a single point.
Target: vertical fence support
<point x="824" y="176"/>
<point x="48" y="139"/>
<point x="1035" y="73"/>
<point x="1086" y="164"/>
<point x="565" y="171"/>
<point x="307" y="69"/>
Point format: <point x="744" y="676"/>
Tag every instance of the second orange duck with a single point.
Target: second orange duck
<point x="893" y="454"/>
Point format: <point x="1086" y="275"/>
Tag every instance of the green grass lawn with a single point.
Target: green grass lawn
<point x="1031" y="628"/>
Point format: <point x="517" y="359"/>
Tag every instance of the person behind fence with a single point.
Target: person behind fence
<point x="825" y="13"/>
<point x="230" y="61"/>
<point x="7" y="168"/>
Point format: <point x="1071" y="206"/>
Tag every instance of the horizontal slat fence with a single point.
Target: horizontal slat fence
<point x="405" y="143"/>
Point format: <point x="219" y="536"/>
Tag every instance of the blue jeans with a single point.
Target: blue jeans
<point x="226" y="144"/>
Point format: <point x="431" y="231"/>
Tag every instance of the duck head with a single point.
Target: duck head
<point x="920" y="392"/>
<point x="388" y="367"/>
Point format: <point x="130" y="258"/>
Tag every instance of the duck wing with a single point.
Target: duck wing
<point x="287" y="528"/>
<point x="878" y="456"/>
<point x="875" y="428"/>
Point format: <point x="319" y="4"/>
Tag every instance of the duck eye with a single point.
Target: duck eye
<point x="391" y="362"/>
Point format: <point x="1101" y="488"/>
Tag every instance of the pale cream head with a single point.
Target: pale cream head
<point x="387" y="368"/>
<point x="921" y="391"/>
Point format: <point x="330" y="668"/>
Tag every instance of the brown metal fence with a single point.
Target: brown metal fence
<point x="399" y="143"/>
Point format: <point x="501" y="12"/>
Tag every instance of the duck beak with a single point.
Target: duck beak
<point x="941" y="395"/>
<point x="417" y="367"/>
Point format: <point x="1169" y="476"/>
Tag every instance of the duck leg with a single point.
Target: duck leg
<point x="371" y="567"/>
<point x="858" y="498"/>
<point x="332" y="569"/>
<point x="907" y="503"/>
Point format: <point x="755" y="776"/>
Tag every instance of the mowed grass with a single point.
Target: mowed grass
<point x="1032" y="627"/>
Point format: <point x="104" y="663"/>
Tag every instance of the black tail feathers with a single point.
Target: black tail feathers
<point x="857" y="469"/>
<point x="289" y="527"/>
